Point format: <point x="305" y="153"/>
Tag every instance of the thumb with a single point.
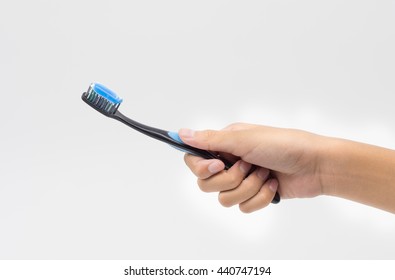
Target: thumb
<point x="227" y="141"/>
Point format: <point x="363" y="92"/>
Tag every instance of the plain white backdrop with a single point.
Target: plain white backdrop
<point x="76" y="185"/>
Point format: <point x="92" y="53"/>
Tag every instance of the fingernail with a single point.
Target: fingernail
<point x="263" y="173"/>
<point x="245" y="167"/>
<point x="215" y="167"/>
<point x="273" y="185"/>
<point x="186" y="133"/>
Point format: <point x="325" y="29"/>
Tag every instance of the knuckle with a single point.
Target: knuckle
<point x="203" y="186"/>
<point x="200" y="170"/>
<point x="245" y="209"/>
<point x="187" y="158"/>
<point x="233" y="179"/>
<point x="197" y="166"/>
<point x="223" y="200"/>
<point x="208" y="135"/>
<point x="239" y="126"/>
<point x="236" y="125"/>
<point x="266" y="203"/>
<point x="251" y="186"/>
<point x="190" y="160"/>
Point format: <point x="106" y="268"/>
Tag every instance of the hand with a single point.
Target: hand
<point x="287" y="160"/>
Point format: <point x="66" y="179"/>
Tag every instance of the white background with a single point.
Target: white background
<point x="76" y="185"/>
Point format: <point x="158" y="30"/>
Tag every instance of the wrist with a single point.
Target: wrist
<point x="359" y="172"/>
<point x="329" y="160"/>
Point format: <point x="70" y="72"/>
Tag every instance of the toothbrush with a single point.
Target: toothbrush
<point x="107" y="102"/>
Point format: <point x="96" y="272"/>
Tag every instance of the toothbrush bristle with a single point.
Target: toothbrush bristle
<point x="102" y="99"/>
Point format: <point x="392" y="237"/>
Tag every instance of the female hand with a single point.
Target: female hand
<point x="287" y="161"/>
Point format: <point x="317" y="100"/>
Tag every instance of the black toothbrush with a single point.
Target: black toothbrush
<point x="107" y="102"/>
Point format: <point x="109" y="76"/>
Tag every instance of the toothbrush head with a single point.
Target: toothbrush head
<point x="102" y="99"/>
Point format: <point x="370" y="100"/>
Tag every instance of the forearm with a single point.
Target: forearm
<point x="359" y="172"/>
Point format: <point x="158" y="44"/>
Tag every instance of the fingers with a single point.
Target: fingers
<point x="252" y="192"/>
<point x="211" y="174"/>
<point x="247" y="189"/>
<point x="203" y="168"/>
<point x="262" y="198"/>
<point x="226" y="179"/>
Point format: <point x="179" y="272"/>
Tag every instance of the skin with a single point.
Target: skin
<point x="296" y="163"/>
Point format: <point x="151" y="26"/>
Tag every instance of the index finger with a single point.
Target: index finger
<point x="203" y="168"/>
